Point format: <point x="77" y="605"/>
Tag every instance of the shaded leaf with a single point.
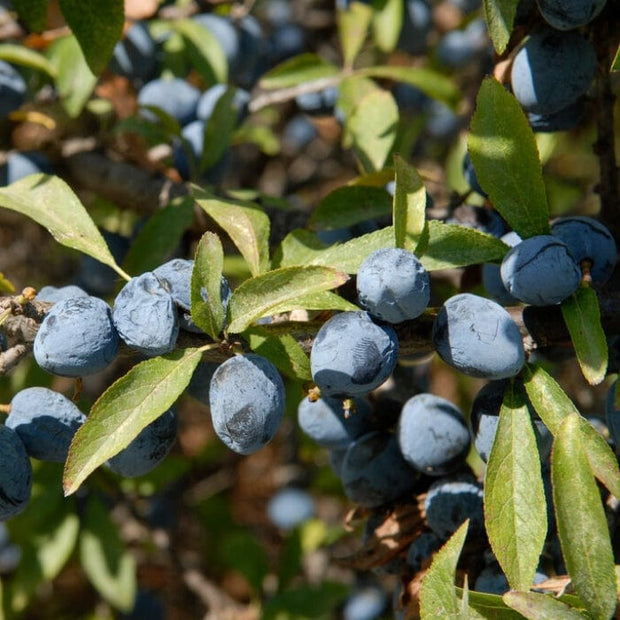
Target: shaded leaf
<point x="303" y="602"/>
<point x="409" y="208"/>
<point x="353" y="25"/>
<point x="49" y="201"/>
<point x="108" y="565"/>
<point x="219" y="130"/>
<point x="207" y="277"/>
<point x="583" y="318"/>
<point x="33" y="13"/>
<point x="537" y="606"/>
<point x="97" y="26"/>
<point x="26" y="57"/>
<point x="300" y="69"/>
<point x="503" y="150"/>
<point x="246" y="225"/>
<point x="257" y="297"/>
<point x="500" y="15"/>
<point x="132" y="402"/>
<point x="489" y="606"/>
<point x="582" y="526"/>
<point x="515" y="509"/>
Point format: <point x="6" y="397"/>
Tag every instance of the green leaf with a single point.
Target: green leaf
<point x="26" y="57"/>
<point x="353" y="25"/>
<point x="500" y="15"/>
<point x="6" y="286"/>
<point x="515" y="508"/>
<point x="159" y="237"/>
<point x="372" y="127"/>
<point x="207" y="276"/>
<point x="323" y="300"/>
<point x="387" y="22"/>
<point x="108" y="565"/>
<point x="282" y="350"/>
<point x="97" y="25"/>
<point x="305" y="602"/>
<point x="489" y="606"/>
<point x="246" y="225"/>
<point x="582" y="526"/>
<point x="615" y="64"/>
<point x="245" y="554"/>
<point x="452" y="245"/>
<point x="583" y="318"/>
<point x="438" y="597"/>
<point x="350" y="205"/>
<point x="49" y="201"/>
<point x="409" y="211"/>
<point x="205" y="51"/>
<point x="538" y="606"/>
<point x="74" y="79"/>
<point x="432" y="83"/>
<point x="132" y="402"/>
<point x="219" y="130"/>
<point x="553" y="406"/>
<point x="33" y="13"/>
<point x="504" y="153"/>
<point x="301" y="69"/>
<point x="257" y="297"/>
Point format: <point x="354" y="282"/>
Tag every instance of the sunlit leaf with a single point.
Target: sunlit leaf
<point x="409" y="208"/>
<point x="26" y="57"/>
<point x="538" y="606"/>
<point x="300" y="69"/>
<point x="353" y="25"/>
<point x="500" y="15"/>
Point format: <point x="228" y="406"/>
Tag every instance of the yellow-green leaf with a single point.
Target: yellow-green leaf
<point x="353" y="25"/>
<point x="500" y="15"/>
<point x="409" y="208"/>
<point x="387" y="22"/>
<point x="301" y="69"/>
<point x="26" y="57"/>
<point x="538" y="606"/>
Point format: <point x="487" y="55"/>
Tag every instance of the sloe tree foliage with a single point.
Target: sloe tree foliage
<point x="200" y="392"/>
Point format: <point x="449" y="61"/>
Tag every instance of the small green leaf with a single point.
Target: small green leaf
<point x="159" y="237"/>
<point x="219" y="130"/>
<point x="350" y="205"/>
<point x="515" y="508"/>
<point x="323" y="300"/>
<point x="6" y="286"/>
<point x="353" y="90"/>
<point x="615" y="65"/>
<point x="583" y="318"/>
<point x="432" y="83"/>
<point x="207" y="277"/>
<point x="500" y="15"/>
<point x="282" y="350"/>
<point x="33" y="13"/>
<point x="49" y="201"/>
<point x="26" y="57"/>
<point x="205" y="51"/>
<point x="489" y="606"/>
<point x="132" y="402"/>
<point x="504" y="153"/>
<point x="372" y="127"/>
<point x="387" y="22"/>
<point x="438" y="598"/>
<point x="97" y="25"/>
<point x="582" y="526"/>
<point x="452" y="245"/>
<point x="409" y="211"/>
<point x="257" y="297"/>
<point x="353" y="25"/>
<point x="74" y="79"/>
<point x="538" y="606"/>
<point x="301" y="69"/>
<point x="108" y="565"/>
<point x="247" y="226"/>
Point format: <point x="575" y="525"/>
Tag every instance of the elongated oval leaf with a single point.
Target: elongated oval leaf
<point x="438" y="598"/>
<point x="500" y="15"/>
<point x="504" y="153"/>
<point x="257" y="297"/>
<point x="97" y="26"/>
<point x="583" y="318"/>
<point x="582" y="526"/>
<point x="208" y="313"/>
<point x="387" y="22"/>
<point x="300" y="69"/>
<point x="350" y="205"/>
<point x="109" y="566"/>
<point x="538" y="606"/>
<point x="514" y="498"/>
<point x="132" y="402"/>
<point x="26" y="57"/>
<point x="323" y="300"/>
<point x="49" y="201"/>
<point x="247" y="226"/>
<point x="451" y="245"/>
<point x="489" y="606"/>
<point x="409" y="208"/>
<point x="353" y="25"/>
<point x="219" y="130"/>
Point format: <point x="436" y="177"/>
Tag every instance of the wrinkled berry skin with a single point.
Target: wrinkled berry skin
<point x="374" y="472"/>
<point x="290" y="507"/>
<point x="52" y="294"/>
<point x="552" y="70"/>
<point x="247" y="401"/>
<point x="45" y="421"/>
<point x="76" y="338"/>
<point x="491" y="278"/>
<point x="15" y="474"/>
<point x="569" y="14"/>
<point x="432" y="435"/>
<point x="145" y="315"/>
<point x="351" y="355"/>
<point x="540" y="271"/>
<point x="588" y="239"/>
<point x="478" y="337"/>
<point x="392" y="285"/>
<point x="148" y="449"/>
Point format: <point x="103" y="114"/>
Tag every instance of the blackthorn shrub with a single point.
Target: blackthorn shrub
<point x="15" y="474"/>
<point x="45" y="421"/>
<point x="77" y="337"/>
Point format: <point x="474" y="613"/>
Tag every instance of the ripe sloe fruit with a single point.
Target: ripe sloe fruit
<point x="15" y="474"/>
<point x="569" y="14"/>
<point x="53" y="294"/>
<point x="176" y="97"/>
<point x="12" y="88"/>
<point x="290" y="507"/>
